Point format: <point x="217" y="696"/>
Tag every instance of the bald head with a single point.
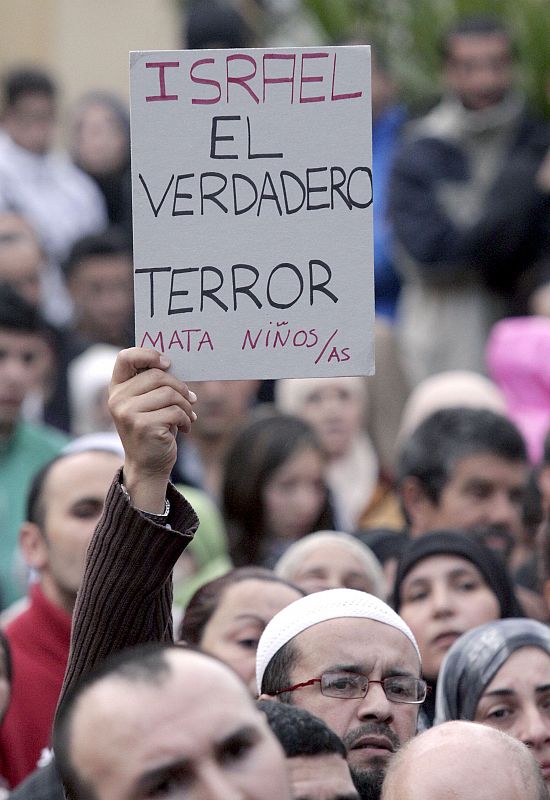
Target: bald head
<point x="460" y="761"/>
<point x="167" y="716"/>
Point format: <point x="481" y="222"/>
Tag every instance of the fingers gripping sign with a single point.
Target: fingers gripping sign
<point x="149" y="406"/>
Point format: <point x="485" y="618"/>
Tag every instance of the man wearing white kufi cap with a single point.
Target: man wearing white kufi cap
<point x="348" y="658"/>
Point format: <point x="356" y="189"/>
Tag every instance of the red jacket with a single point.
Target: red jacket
<point x="39" y="640"/>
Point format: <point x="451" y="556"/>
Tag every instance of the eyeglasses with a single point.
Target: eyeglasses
<point x="351" y="685"/>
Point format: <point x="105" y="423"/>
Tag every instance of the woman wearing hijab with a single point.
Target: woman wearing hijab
<point x="446" y="584"/>
<point x="499" y="675"/>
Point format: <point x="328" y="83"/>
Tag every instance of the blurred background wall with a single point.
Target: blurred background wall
<point x="85" y="43"/>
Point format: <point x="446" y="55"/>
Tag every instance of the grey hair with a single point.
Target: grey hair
<point x="287" y="566"/>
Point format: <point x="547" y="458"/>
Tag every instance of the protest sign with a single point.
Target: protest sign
<point x="252" y="204"/>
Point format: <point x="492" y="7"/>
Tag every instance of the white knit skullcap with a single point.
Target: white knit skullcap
<point x="319" y="607"/>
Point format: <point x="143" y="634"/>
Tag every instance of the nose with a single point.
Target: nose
<point x="442" y="604"/>
<point x="534" y="728"/>
<point x="375" y="705"/>
<point x="214" y="784"/>
<point x="503" y="512"/>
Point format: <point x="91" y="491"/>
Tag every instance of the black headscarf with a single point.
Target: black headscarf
<point x="453" y="543"/>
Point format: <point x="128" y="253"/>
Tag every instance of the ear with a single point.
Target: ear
<point x="274" y="698"/>
<point x="33" y="546"/>
<point x="419" y="509"/>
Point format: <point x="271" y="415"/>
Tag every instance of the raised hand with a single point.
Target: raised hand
<point x="149" y="406"/>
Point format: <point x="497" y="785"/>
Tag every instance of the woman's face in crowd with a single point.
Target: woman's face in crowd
<point x="294" y="495"/>
<point x="442" y="597"/>
<point x="335" y="410"/>
<point x="234" y="629"/>
<point x="101" y="144"/>
<point x="517" y="701"/>
<point x="331" y="565"/>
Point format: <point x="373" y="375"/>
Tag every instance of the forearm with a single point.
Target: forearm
<point x="126" y="594"/>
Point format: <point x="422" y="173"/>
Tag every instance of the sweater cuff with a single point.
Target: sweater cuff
<point x="181" y="519"/>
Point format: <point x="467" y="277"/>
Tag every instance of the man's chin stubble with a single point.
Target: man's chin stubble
<point x="368" y="782"/>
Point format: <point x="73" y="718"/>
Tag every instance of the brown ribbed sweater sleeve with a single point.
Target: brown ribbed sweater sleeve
<point x="126" y="594"/>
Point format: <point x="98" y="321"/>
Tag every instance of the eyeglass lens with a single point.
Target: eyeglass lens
<point x="398" y="689"/>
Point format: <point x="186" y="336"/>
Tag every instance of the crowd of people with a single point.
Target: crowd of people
<point x="317" y="589"/>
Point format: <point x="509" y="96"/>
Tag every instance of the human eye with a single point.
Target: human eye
<point x="416" y="593"/>
<point x="344" y="395"/>
<point x="169" y="783"/>
<point x="402" y="688"/>
<point x="247" y="636"/>
<point x="314" y="398"/>
<point x="517" y="496"/>
<point x="248" y="643"/>
<point x="313" y="572"/>
<point x="165" y="788"/>
<point x="28" y="358"/>
<point x="480" y="490"/>
<point x="237" y="747"/>
<point x="467" y="585"/>
<point x="357" y="581"/>
<point x="87" y="509"/>
<point x="342" y="683"/>
<point x="500" y="714"/>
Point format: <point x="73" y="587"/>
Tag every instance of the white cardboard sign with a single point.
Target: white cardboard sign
<point x="252" y="204"/>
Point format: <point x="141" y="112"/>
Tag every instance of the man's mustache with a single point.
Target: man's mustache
<point x="372" y="729"/>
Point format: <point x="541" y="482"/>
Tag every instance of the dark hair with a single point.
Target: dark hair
<point x="451" y="434"/>
<point x="533" y="279"/>
<point x="35" y="506"/>
<point x="207" y="598"/>
<point x="108" y="100"/>
<point x="475" y="25"/>
<point x="277" y="673"/>
<point x="385" y="543"/>
<point x="146" y="664"/>
<point x="18" y="315"/>
<point x="531" y="513"/>
<point x="299" y="732"/>
<point x="27" y="80"/>
<point x="110" y="242"/>
<point x="257" y="452"/>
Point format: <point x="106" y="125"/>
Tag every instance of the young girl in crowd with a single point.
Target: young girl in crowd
<point x="274" y="489"/>
<point x="101" y="147"/>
